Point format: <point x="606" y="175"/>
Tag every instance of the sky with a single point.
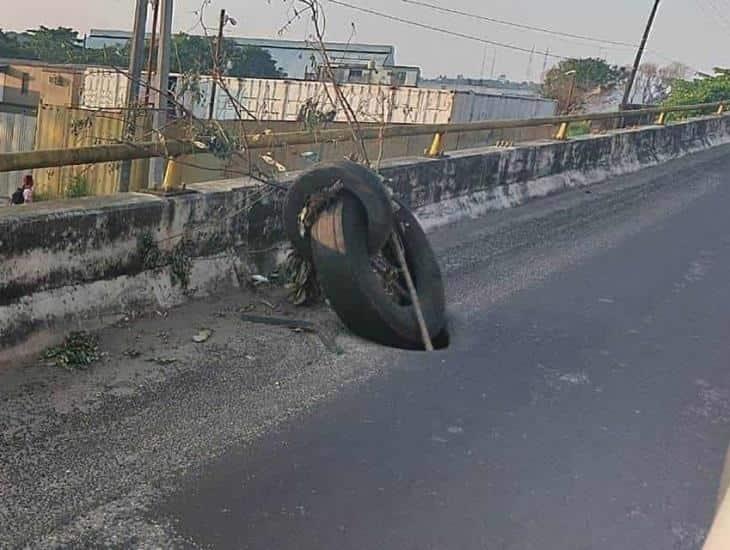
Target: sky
<point x="692" y="32"/>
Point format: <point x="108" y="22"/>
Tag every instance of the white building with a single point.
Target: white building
<point x="370" y="73"/>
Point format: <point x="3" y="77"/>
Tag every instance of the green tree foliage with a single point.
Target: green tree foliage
<point x="253" y="62"/>
<point x="590" y="73"/>
<point x="60" y="45"/>
<point x="10" y="46"/>
<point x="705" y="90"/>
<point x="190" y="54"/>
<point x="194" y="54"/>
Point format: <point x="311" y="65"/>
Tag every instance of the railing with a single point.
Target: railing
<point x="170" y="149"/>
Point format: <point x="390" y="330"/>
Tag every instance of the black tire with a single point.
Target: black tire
<point x="357" y="180"/>
<point x="355" y="291"/>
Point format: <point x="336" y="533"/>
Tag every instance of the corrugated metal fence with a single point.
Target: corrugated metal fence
<point x="67" y="127"/>
<point x="17" y="133"/>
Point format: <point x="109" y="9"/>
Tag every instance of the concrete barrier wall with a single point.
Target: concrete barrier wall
<point x="94" y="258"/>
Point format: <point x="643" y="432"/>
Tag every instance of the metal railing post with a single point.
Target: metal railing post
<point x="562" y="133"/>
<point x="437" y="146"/>
<point x="172" y="179"/>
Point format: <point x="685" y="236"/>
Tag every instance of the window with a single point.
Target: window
<point x="24" y="84"/>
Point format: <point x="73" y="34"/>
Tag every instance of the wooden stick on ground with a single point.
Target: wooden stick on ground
<point x="412" y="290"/>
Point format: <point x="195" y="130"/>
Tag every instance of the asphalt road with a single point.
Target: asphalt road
<point x="584" y="402"/>
<point x="588" y="411"/>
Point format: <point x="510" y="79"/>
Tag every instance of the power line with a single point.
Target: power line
<point x="446" y="31"/>
<point x="614" y="43"/>
<point x="519" y="25"/>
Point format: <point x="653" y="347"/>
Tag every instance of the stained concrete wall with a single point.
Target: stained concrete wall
<point x="66" y="262"/>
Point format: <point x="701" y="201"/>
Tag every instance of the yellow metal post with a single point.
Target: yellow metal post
<point x="437" y="146"/>
<point x="662" y="119"/>
<point x="562" y="133"/>
<point x="173" y="176"/>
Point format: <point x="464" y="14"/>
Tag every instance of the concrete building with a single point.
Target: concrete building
<point x="298" y="59"/>
<point x="25" y="83"/>
<point x="370" y="73"/>
<point x="483" y="85"/>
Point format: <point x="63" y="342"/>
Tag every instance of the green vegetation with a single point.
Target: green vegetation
<point x="179" y="260"/>
<point x="191" y="54"/>
<point x="194" y="54"/>
<point x="709" y="89"/>
<point x="59" y="45"/>
<point x="77" y="187"/>
<point x="149" y="254"/>
<point x="590" y="72"/>
<point x="78" y="350"/>
<point x="579" y="129"/>
<point x="181" y="265"/>
<point x="581" y="76"/>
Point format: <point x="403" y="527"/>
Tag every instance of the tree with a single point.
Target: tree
<point x="60" y="45"/>
<point x="649" y="87"/>
<point x="709" y="89"/>
<point x="194" y="54"/>
<point x="590" y="73"/>
<point x="11" y="47"/>
<point x="653" y="84"/>
<point x="250" y="61"/>
<point x="190" y="54"/>
<point x="675" y="71"/>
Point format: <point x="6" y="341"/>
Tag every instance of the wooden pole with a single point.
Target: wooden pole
<point x="425" y="336"/>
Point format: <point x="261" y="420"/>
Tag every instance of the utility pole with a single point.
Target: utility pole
<point x="216" y="65"/>
<point x="639" y="54"/>
<point x="494" y="62"/>
<point x="161" y="83"/>
<point x="151" y="56"/>
<point x="136" y="60"/>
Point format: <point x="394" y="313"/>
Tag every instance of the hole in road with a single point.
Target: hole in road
<point x="443" y="340"/>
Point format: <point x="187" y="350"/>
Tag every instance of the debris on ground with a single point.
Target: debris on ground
<point x="302" y="286"/>
<point x="296" y="325"/>
<point x="78" y="350"/>
<point x="268" y="304"/>
<point x="202" y="336"/>
<point x="260" y="280"/>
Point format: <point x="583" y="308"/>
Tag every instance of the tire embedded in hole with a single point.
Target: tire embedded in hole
<point x="354" y="178"/>
<point x="355" y="287"/>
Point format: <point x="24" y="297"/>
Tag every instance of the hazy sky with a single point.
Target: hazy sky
<point x="692" y="31"/>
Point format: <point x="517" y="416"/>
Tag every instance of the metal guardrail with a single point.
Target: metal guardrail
<point x="169" y="149"/>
